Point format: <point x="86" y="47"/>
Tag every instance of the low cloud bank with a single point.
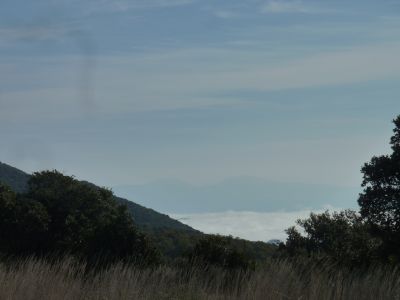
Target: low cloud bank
<point x="254" y="226"/>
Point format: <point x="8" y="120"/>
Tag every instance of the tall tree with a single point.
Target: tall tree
<point x="380" y="200"/>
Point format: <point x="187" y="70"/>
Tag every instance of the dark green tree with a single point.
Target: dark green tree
<point x="341" y="236"/>
<point x="380" y="200"/>
<point x="63" y="215"/>
<point x="23" y="223"/>
<point x="215" y="250"/>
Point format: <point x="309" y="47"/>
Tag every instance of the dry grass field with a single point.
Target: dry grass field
<point x="40" y="280"/>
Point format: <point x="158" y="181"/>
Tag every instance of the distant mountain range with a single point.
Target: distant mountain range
<point x="239" y="194"/>
<point x="147" y="219"/>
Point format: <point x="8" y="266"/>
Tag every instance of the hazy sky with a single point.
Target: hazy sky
<point x="136" y="92"/>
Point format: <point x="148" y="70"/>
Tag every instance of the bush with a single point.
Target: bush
<point x="215" y="250"/>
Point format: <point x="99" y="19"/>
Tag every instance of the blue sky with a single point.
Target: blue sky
<point x="169" y="94"/>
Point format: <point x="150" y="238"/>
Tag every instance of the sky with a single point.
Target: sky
<point x="202" y="109"/>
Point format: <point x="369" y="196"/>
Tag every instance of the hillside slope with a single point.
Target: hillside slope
<point x="13" y="177"/>
<point x="144" y="217"/>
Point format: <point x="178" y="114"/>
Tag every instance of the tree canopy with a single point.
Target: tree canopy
<point x="380" y="200"/>
<point x="61" y="214"/>
<point x="343" y="236"/>
<point x="216" y="250"/>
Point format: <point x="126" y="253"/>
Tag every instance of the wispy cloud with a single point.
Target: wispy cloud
<point x="288" y="6"/>
<point x="45" y="30"/>
<point x="224" y="14"/>
<point x="124" y="5"/>
<point x="130" y="81"/>
<point x="33" y="33"/>
<point x="353" y="65"/>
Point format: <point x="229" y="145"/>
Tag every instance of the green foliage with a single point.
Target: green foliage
<point x="342" y="236"/>
<point x="23" y="223"/>
<point x="173" y="243"/>
<point x="380" y="200"/>
<point x="178" y="244"/>
<point x="215" y="250"/>
<point x="63" y="215"/>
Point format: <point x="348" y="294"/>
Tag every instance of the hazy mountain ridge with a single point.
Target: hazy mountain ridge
<point x="13" y="177"/>
<point x="238" y="194"/>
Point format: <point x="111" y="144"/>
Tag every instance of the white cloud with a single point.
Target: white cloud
<point x="224" y="14"/>
<point x="253" y="226"/>
<point x="279" y="6"/>
<point x="290" y="6"/>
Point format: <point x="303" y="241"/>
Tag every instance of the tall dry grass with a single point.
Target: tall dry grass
<point x="34" y="279"/>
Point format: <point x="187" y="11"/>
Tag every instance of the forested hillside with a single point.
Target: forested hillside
<point x="24" y="203"/>
<point x="143" y="217"/>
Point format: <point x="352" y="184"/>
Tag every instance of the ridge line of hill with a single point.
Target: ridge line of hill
<point x="145" y="218"/>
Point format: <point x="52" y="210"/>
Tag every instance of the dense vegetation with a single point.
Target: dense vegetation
<point x="59" y="214"/>
<point x="54" y="213"/>
<point x="144" y="217"/>
<point x="369" y="236"/>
